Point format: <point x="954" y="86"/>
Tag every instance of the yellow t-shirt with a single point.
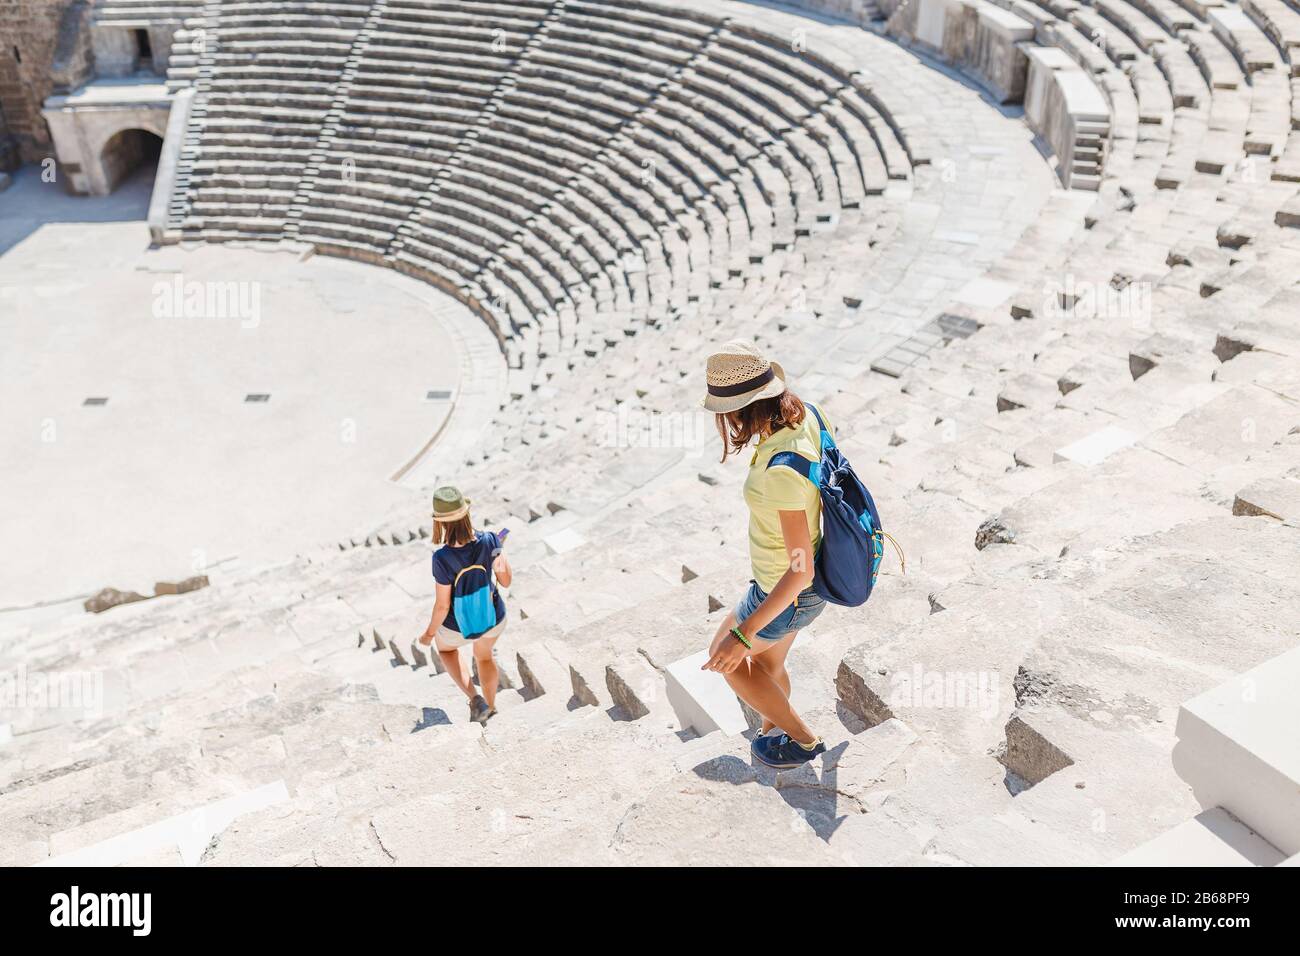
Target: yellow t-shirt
<point x="770" y="491"/>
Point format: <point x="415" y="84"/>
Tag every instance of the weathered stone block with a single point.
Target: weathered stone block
<point x="993" y="531"/>
<point x="1275" y="497"/>
<point x="860" y="687"/>
<point x="111" y="598"/>
<point x="181" y="587"/>
<point x="1029" y="754"/>
<point x="582" y="689"/>
<point x="633" y="686"/>
<point x="702" y="700"/>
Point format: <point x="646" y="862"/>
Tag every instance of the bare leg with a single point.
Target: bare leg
<point x="772" y="660"/>
<point x="755" y="686"/>
<point x="488" y="675"/>
<point x="455" y="667"/>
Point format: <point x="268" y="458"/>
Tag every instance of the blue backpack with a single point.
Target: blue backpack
<point x="471" y="601"/>
<point x="853" y="542"/>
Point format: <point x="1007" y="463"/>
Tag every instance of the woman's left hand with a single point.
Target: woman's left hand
<point x="727" y="657"/>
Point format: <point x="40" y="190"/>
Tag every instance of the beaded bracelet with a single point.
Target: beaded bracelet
<point x="735" y="632"/>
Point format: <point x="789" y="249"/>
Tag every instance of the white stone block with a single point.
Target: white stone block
<point x="1005" y="22"/>
<point x="702" y="700"/>
<point x="1051" y="57"/>
<point x="564" y="541"/>
<point x="931" y="18"/>
<point x="985" y="293"/>
<point x="1211" y="838"/>
<point x="1097" y="447"/>
<point x="6" y="734"/>
<point x="1082" y="98"/>
<point x="189" y="832"/>
<point x="1226" y="21"/>
<point x="1237" y="749"/>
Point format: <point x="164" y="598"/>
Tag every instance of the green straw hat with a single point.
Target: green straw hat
<point x="449" y="504"/>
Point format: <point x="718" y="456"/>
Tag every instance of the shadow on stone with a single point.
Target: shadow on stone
<point x="726" y="769"/>
<point x="1015" y="783"/>
<point x="431" y="717"/>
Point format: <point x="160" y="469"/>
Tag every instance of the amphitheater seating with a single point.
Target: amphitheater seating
<point x="663" y="176"/>
<point x="1060" y="460"/>
<point x="1145" y="56"/>
<point x="145" y="11"/>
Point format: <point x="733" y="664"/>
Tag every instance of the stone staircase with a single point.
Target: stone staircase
<point x="1095" y="481"/>
<point x="145" y="11"/>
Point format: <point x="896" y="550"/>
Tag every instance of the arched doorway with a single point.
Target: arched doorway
<point x="127" y="151"/>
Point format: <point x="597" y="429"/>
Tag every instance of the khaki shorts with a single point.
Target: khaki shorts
<point x="445" y="639"/>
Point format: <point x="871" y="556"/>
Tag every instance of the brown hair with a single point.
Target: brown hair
<point x="454" y="534"/>
<point x="760" y="418"/>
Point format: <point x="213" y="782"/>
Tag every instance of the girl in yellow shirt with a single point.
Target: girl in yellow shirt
<point x="749" y="396"/>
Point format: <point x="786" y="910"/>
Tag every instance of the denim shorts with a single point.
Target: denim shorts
<point x="796" y="617"/>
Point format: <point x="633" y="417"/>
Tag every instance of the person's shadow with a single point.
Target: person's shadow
<point x="811" y="791"/>
<point x="431" y="717"/>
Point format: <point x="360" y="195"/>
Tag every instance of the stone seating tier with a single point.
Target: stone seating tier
<point x="998" y="440"/>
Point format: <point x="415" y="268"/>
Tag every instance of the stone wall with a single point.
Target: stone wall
<point x="8" y="146"/>
<point x="980" y="39"/>
<point x="98" y="145"/>
<point x="46" y="50"/>
<point x="117" y="51"/>
<point x="855" y="11"/>
<point x="996" y="54"/>
<point x="995" y="47"/>
<point x="975" y="36"/>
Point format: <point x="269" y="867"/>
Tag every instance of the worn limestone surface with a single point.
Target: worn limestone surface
<point x="1076" y="409"/>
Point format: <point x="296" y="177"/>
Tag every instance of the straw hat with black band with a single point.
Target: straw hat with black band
<point x="738" y="375"/>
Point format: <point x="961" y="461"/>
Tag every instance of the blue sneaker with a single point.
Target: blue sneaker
<point x="782" y="753"/>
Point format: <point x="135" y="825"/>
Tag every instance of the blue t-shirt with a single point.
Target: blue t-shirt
<point x="449" y="562"/>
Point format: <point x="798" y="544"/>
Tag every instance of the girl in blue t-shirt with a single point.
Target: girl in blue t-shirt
<point x="468" y="610"/>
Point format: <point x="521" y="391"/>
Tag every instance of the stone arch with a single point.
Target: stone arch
<point x="122" y="151"/>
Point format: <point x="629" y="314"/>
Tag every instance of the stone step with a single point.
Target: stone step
<point x="1211" y="838"/>
<point x="1234" y="750"/>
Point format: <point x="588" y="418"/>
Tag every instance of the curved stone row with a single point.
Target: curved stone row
<point x="1087" y="518"/>
<point x="575" y="171"/>
<point x="145" y="11"/>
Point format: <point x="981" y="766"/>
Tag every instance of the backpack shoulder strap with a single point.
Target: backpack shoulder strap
<point x="810" y="470"/>
<point x="791" y="460"/>
<point x="828" y="440"/>
<point x="468" y="567"/>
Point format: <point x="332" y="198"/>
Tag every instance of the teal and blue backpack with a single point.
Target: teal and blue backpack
<point x="853" y="541"/>
<point x="471" y="601"/>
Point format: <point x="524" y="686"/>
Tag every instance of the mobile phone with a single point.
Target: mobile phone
<point x="503" y="534"/>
